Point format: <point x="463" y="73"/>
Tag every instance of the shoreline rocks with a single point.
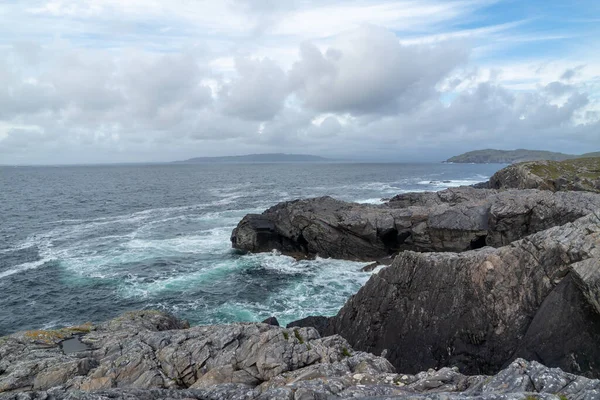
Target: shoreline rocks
<point x="535" y="298"/>
<point x="452" y="220"/>
<point x="483" y="279"/>
<point x="581" y="174"/>
<point x="481" y="276"/>
<point x="150" y="355"/>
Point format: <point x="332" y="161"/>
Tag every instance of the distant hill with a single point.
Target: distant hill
<point x="270" y="157"/>
<point x="492" y="156"/>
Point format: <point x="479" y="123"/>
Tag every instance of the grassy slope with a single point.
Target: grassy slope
<point x="588" y="168"/>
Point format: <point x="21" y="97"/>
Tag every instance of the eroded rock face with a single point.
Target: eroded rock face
<point x="536" y="297"/>
<point x="581" y="174"/>
<point x="520" y="380"/>
<point x="451" y="220"/>
<point x="153" y="350"/>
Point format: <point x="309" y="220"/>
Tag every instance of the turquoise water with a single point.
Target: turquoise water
<point x="86" y="243"/>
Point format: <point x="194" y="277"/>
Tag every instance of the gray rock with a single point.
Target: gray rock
<point x="537" y="298"/>
<point x="318" y="322"/>
<point x="582" y="174"/>
<point x="458" y="219"/>
<point x="153" y="350"/>
<point x="519" y="381"/>
<point x="271" y="321"/>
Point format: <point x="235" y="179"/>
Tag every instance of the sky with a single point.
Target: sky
<point x="150" y="81"/>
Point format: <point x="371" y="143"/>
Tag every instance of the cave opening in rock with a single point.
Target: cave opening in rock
<point x="303" y="243"/>
<point x="478" y="242"/>
<point x="392" y="240"/>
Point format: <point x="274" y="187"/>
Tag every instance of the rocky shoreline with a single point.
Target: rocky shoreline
<point x="152" y="355"/>
<point x="481" y="281"/>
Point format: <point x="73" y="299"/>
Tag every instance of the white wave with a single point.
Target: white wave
<point x="364" y="186"/>
<point x="135" y="287"/>
<point x="228" y="217"/>
<point x="23" y="267"/>
<point x="210" y="241"/>
<point x="370" y="201"/>
<point x="53" y="324"/>
<point x="274" y="260"/>
<point x="321" y="288"/>
<point x="452" y="182"/>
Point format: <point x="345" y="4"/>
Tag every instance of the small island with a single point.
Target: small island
<point x="493" y="156"/>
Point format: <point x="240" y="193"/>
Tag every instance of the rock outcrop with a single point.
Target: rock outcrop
<point x="536" y="298"/>
<point x="153" y="350"/>
<point x="451" y="220"/>
<point x="150" y="355"/>
<point x="571" y="175"/>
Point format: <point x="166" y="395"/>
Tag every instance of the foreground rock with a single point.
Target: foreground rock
<point x="579" y="175"/>
<point x="150" y="355"/>
<point x="451" y="220"/>
<point x="150" y="349"/>
<point x="537" y="298"/>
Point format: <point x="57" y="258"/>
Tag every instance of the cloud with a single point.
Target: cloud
<point x="108" y="81"/>
<point x="371" y="72"/>
<point x="257" y="92"/>
<point x="571" y="73"/>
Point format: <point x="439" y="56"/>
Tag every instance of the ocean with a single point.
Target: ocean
<point x="86" y="243"/>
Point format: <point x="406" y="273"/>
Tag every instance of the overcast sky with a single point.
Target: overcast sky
<point x="156" y="80"/>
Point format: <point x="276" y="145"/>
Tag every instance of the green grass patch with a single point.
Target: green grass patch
<point x="298" y="336"/>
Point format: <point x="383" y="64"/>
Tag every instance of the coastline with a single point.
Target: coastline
<point x="480" y="279"/>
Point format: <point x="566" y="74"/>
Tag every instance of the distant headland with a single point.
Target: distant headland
<point x="492" y="156"/>
<point x="257" y="158"/>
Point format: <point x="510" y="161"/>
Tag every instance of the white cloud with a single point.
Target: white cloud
<point x="257" y="92"/>
<point x="371" y="72"/>
<point x="150" y="80"/>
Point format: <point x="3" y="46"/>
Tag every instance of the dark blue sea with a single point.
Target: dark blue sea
<point x="85" y="243"/>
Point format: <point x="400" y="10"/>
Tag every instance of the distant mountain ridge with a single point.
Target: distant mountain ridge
<point x="267" y="157"/>
<point x="493" y="156"/>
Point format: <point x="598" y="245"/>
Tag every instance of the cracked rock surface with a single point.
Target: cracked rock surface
<point x="150" y="355"/>
<point x="482" y="276"/>
<point x="537" y="298"/>
<point x="581" y="174"/>
<point x="454" y="220"/>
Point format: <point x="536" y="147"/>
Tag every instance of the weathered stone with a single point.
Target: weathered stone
<point x="519" y="381"/>
<point x="582" y="174"/>
<point x="479" y="309"/>
<point x="318" y="322"/>
<point x="150" y="349"/>
<point x="458" y="219"/>
<point x="271" y="321"/>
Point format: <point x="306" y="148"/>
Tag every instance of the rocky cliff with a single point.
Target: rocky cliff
<point x="451" y="220"/>
<point x="482" y="276"/>
<point x="151" y="355"/>
<point x="579" y="175"/>
<point x="536" y="298"/>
